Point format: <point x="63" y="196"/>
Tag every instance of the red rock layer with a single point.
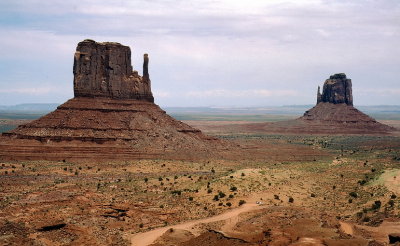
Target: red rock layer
<point x="84" y="126"/>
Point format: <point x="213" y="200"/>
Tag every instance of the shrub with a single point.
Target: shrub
<point x="391" y="203"/>
<point x="161" y="206"/>
<point x="231" y="196"/>
<point x="241" y="202"/>
<point x="177" y="192"/>
<point x="228" y="204"/>
<point x="141" y="225"/>
<point x="291" y="200"/>
<point x="350" y="200"/>
<point x="160" y="179"/>
<point x="376" y="205"/>
<point x="312" y="195"/>
<point x="191" y="198"/>
<point x="146" y="179"/>
<point x="393" y="196"/>
<point x="276" y="197"/>
<point x="209" y="191"/>
<point x="233" y="188"/>
<point x="221" y="194"/>
<point x="353" y="194"/>
<point x="216" y="198"/>
<point x="243" y="174"/>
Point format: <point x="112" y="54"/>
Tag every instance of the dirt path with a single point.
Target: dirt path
<point x="391" y="179"/>
<point x="346" y="228"/>
<point x="147" y="238"/>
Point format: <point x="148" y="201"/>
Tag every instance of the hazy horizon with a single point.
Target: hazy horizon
<point x="219" y="53"/>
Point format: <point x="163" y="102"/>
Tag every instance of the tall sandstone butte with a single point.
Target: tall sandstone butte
<point x="112" y="116"/>
<point x="105" y="70"/>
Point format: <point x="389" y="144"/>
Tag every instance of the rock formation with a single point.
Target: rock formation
<point x="105" y="70"/>
<point x="333" y="114"/>
<point x="112" y="116"/>
<point x="337" y="89"/>
<point x="335" y="111"/>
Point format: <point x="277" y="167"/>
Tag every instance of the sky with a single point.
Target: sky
<point x="218" y="53"/>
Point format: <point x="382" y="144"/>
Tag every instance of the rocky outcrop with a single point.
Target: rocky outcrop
<point x="105" y="70"/>
<point x="337" y="89"/>
<point x="112" y="116"/>
<point x="335" y="114"/>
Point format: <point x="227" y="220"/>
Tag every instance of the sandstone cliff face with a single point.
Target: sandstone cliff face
<point x="337" y="89"/>
<point x="105" y="70"/>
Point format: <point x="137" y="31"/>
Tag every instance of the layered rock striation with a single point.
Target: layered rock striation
<point x="105" y="70"/>
<point x="112" y="116"/>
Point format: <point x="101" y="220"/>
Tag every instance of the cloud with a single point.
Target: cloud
<point x="210" y="48"/>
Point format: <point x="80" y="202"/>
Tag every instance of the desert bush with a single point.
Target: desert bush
<point x="312" y="195"/>
<point x="216" y="198"/>
<point x="233" y="188"/>
<point x="241" y="202"/>
<point x="146" y="179"/>
<point x="276" y="197"/>
<point x="221" y="194"/>
<point x="160" y="179"/>
<point x="228" y="204"/>
<point x="243" y="174"/>
<point x="393" y="196"/>
<point x="231" y="196"/>
<point x="177" y="192"/>
<point x="391" y="203"/>
<point x="291" y="200"/>
<point x="191" y="198"/>
<point x="350" y="200"/>
<point x="377" y="205"/>
<point x="353" y="194"/>
<point x="209" y="191"/>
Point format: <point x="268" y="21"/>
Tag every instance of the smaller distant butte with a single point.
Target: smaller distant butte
<point x="333" y="114"/>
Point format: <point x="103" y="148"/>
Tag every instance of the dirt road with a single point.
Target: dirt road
<point x="231" y="216"/>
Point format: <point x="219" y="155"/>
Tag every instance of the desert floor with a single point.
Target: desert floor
<point x="288" y="190"/>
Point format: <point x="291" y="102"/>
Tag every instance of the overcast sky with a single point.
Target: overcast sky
<point x="209" y="52"/>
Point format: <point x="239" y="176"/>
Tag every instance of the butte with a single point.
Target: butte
<point x="333" y="114"/>
<point x="112" y="116"/>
